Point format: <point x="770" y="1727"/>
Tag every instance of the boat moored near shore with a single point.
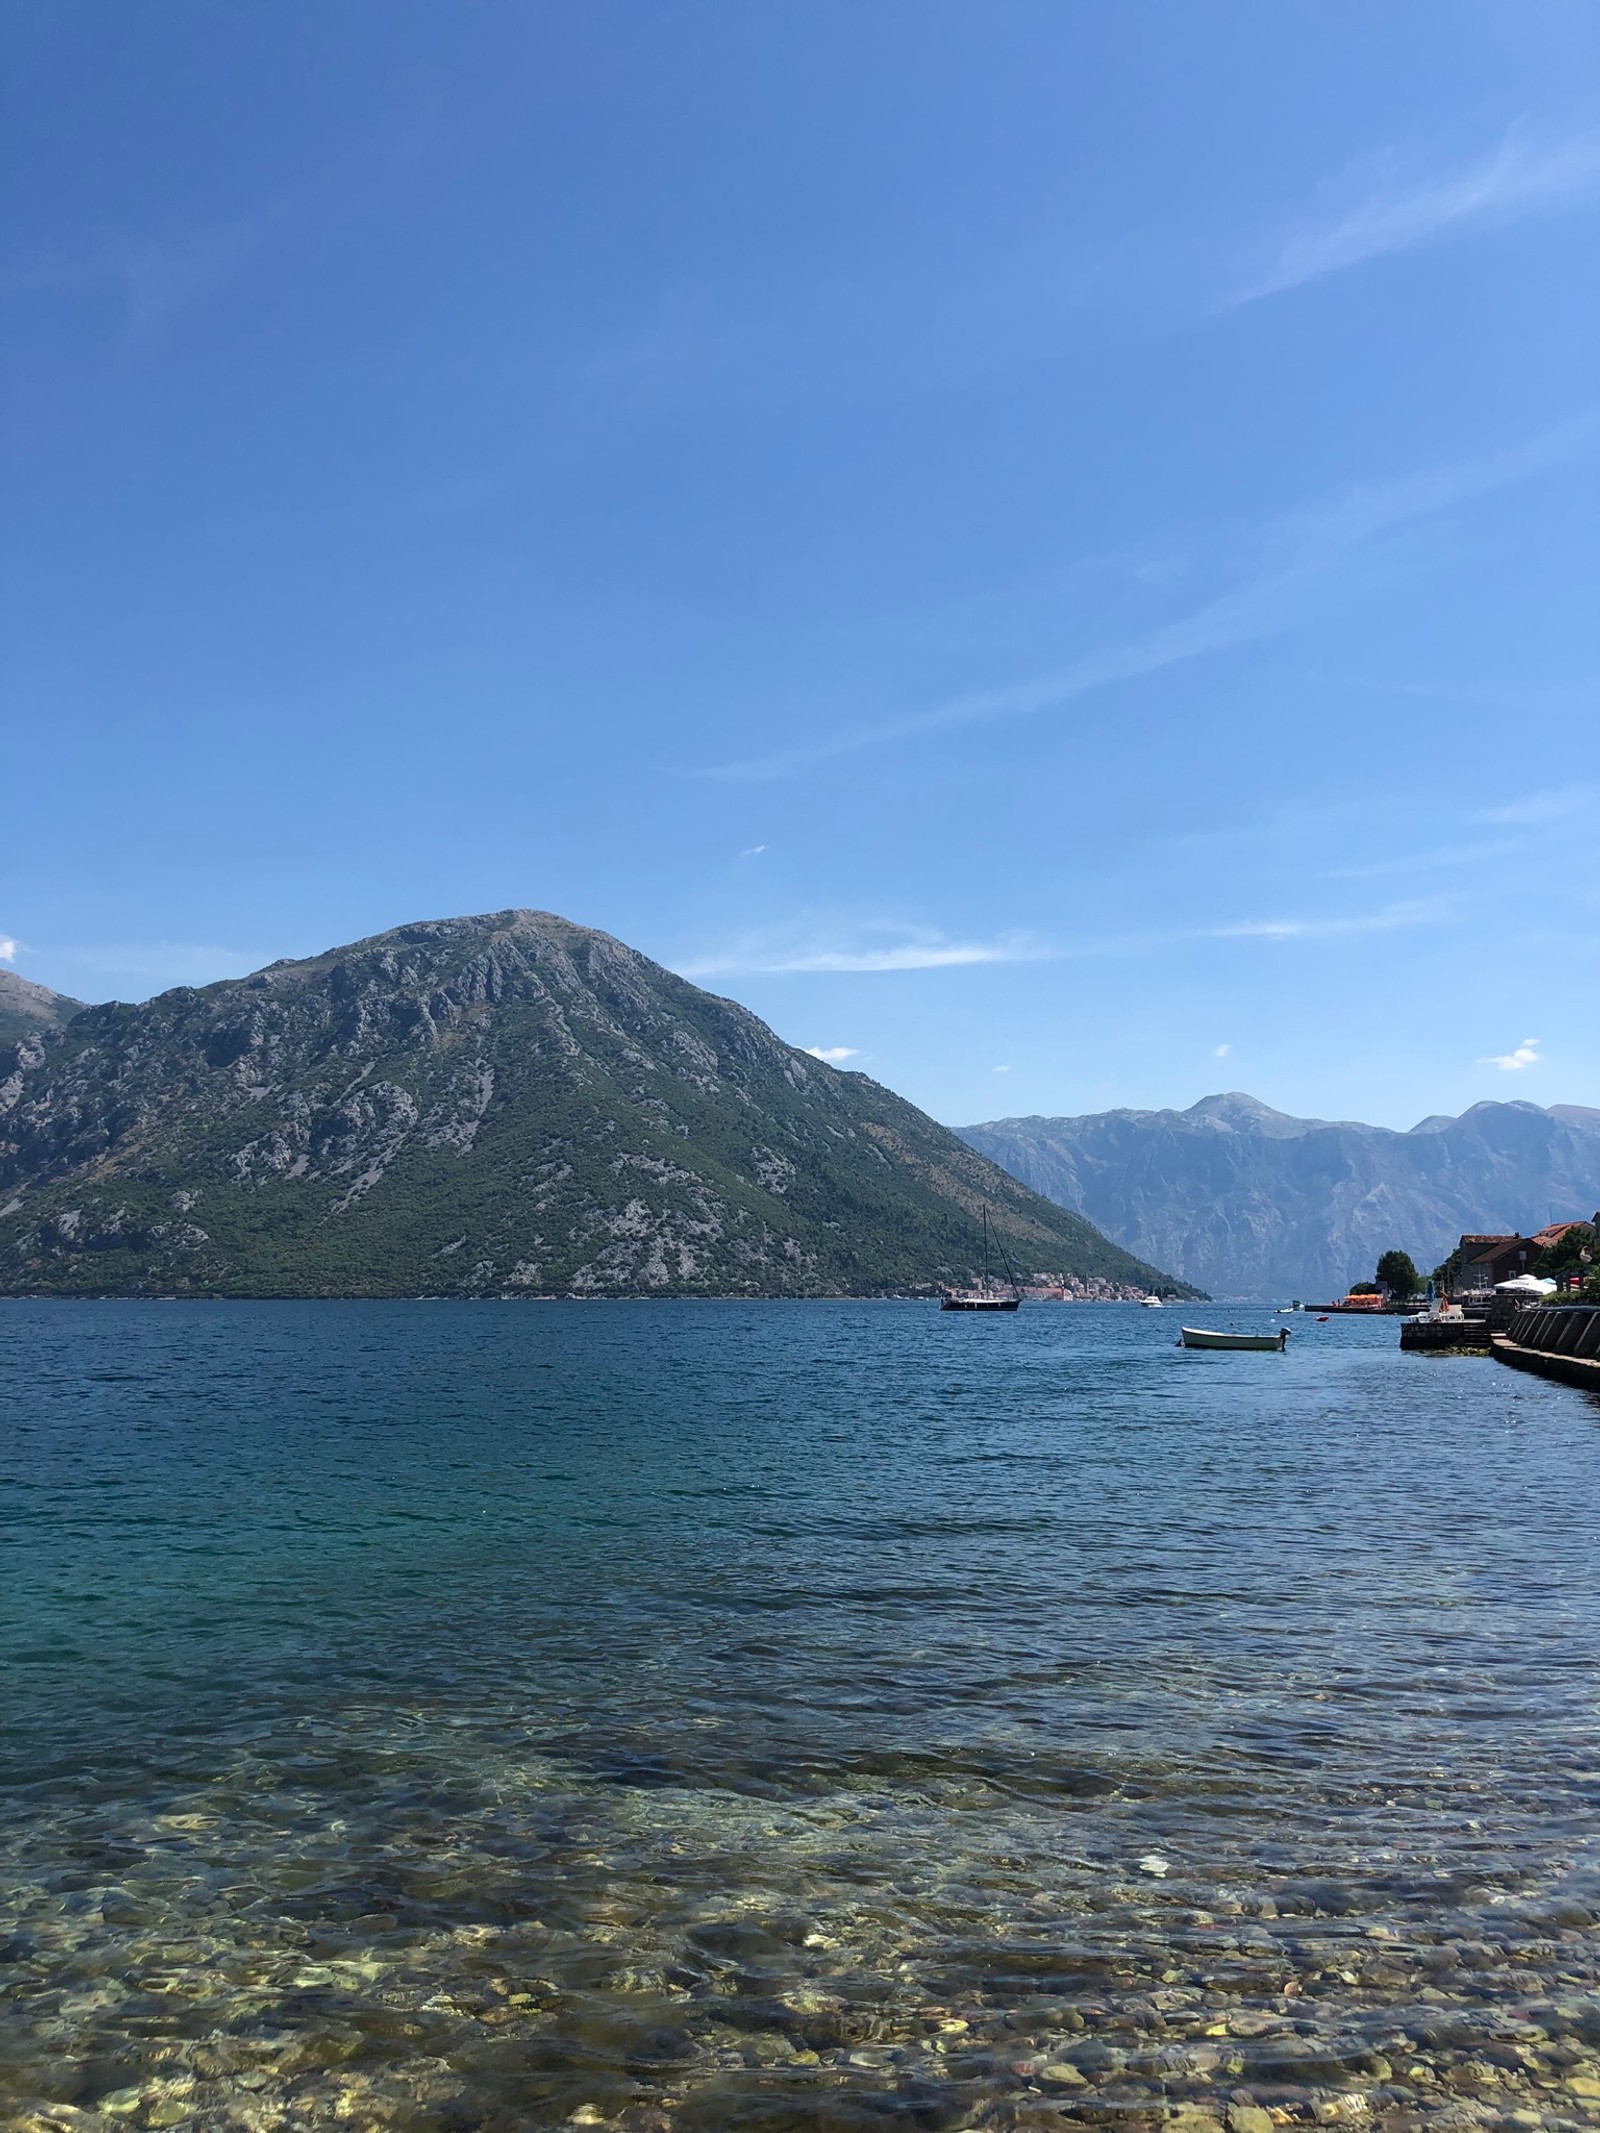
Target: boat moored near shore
<point x="1263" y="1343"/>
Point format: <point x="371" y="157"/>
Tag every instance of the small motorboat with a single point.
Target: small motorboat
<point x="1437" y="1310"/>
<point x="1152" y="1303"/>
<point x="1262" y="1343"/>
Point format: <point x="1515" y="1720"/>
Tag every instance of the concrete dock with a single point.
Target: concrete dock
<point x="1556" y="1340"/>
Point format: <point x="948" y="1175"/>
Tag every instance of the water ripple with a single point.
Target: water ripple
<point x="778" y="1717"/>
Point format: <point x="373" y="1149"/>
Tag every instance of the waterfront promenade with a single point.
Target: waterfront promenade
<point x="1555" y="1340"/>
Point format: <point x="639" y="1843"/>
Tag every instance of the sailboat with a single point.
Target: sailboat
<point x="987" y="1296"/>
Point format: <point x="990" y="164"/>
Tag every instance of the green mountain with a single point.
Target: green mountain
<point x="500" y="1106"/>
<point x="26" y="1008"/>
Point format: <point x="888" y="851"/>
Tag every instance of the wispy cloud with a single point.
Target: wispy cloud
<point x="790" y="951"/>
<point x="946" y="311"/>
<point x="1377" y="207"/>
<point x="1364" y="509"/>
<point x="1306" y="551"/>
<point x="1000" y="1070"/>
<point x="1454" y="855"/>
<point x="1250" y="611"/>
<point x="752" y="851"/>
<point x="832" y="1054"/>
<point x="151" y="279"/>
<point x="1221" y="1051"/>
<point x="913" y="949"/>
<point x="8" y="948"/>
<point x="1525" y="1055"/>
<point x="1555" y="804"/>
<point x="1430" y="911"/>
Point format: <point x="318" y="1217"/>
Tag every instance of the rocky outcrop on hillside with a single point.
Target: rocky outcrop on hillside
<point x="26" y="1008"/>
<point x="509" y="1105"/>
<point x="1248" y="1201"/>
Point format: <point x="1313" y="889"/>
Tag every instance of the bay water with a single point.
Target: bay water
<point x="789" y="1716"/>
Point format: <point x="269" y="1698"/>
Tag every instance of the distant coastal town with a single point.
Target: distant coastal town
<point x="1079" y="1288"/>
<point x="1562" y="1259"/>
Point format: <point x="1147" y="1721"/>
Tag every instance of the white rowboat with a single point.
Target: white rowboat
<point x="1197" y="1337"/>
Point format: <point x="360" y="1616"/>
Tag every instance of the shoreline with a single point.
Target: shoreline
<point x="571" y="1297"/>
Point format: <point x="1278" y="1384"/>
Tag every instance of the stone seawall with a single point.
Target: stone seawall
<point x="1557" y="1340"/>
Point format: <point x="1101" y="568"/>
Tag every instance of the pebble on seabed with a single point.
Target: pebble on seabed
<point x="698" y="1952"/>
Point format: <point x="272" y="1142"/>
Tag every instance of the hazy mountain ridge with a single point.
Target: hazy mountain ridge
<point x="1245" y="1200"/>
<point x="501" y="1105"/>
<point x="26" y="1007"/>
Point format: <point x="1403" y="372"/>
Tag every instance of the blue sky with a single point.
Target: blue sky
<point x="1048" y="549"/>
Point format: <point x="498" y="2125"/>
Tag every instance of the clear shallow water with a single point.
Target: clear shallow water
<point x="789" y="1717"/>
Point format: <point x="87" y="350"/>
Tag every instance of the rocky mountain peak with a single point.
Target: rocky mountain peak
<point x="26" y="1008"/>
<point x="506" y="1104"/>
<point x="1248" y="1114"/>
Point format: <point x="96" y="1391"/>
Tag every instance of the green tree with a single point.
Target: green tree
<point x="1574" y="1253"/>
<point x="1398" y="1274"/>
<point x="1578" y="1252"/>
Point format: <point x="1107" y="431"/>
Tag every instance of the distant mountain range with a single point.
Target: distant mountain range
<point x="509" y="1105"/>
<point x="1247" y="1201"/>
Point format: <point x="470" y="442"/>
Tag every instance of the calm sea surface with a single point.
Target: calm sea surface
<point x="803" y="1716"/>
